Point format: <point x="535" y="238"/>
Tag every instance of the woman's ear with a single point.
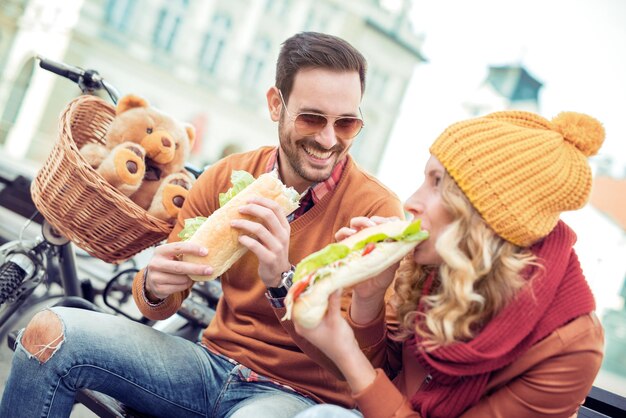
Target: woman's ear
<point x="274" y="104"/>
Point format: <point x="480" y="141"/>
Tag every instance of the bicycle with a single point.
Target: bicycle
<point x="27" y="264"/>
<point x="50" y="258"/>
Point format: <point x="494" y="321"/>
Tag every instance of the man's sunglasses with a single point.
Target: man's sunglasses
<point x="309" y="124"/>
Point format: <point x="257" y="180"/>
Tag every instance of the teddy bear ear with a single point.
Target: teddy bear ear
<point x="130" y="102"/>
<point x="191" y="133"/>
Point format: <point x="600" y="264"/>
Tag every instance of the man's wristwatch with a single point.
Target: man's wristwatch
<point x="286" y="279"/>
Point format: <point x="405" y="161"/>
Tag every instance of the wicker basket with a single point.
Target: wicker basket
<point x="77" y="200"/>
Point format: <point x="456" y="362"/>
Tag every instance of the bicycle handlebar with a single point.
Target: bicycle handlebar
<point x="64" y="70"/>
<point x="89" y="81"/>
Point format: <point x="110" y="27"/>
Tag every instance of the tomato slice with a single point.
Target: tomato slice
<point x="369" y="248"/>
<point x="299" y="287"/>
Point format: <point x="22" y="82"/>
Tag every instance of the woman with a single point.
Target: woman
<point x="491" y="316"/>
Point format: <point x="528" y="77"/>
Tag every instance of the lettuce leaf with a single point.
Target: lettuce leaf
<point x="292" y="195"/>
<point x="191" y="226"/>
<point x="372" y="238"/>
<point x="240" y="179"/>
<point x="413" y="232"/>
<point x="337" y="251"/>
<point x="312" y="262"/>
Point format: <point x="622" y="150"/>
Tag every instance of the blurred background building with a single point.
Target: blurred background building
<point x="205" y="62"/>
<point x="506" y="87"/>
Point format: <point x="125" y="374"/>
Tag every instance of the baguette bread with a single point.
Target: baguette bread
<point x="221" y="239"/>
<point x="310" y="307"/>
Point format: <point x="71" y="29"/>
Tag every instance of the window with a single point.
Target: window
<point x="254" y="62"/>
<point x="118" y="14"/>
<point x="276" y="7"/>
<point x="214" y="43"/>
<point x="168" y="23"/>
<point x="378" y="84"/>
<point x="317" y="19"/>
<point x="16" y="97"/>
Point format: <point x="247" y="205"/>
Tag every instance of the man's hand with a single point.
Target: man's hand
<point x="267" y="236"/>
<point x="167" y="274"/>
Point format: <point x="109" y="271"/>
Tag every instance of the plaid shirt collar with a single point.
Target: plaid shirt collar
<point x="316" y="191"/>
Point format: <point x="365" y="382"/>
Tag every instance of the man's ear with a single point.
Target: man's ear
<point x="274" y="104"/>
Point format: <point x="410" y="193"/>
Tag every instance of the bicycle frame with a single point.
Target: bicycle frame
<point x="62" y="264"/>
<point x="55" y="252"/>
<point x="64" y="273"/>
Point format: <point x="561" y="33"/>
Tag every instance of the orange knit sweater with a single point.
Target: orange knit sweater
<point x="246" y="328"/>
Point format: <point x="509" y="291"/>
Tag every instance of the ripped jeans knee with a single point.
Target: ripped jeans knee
<point x="43" y="335"/>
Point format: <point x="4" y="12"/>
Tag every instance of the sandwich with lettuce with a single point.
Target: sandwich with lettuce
<point x="355" y="259"/>
<point x="215" y="232"/>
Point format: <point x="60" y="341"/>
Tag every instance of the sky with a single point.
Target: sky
<point x="576" y="48"/>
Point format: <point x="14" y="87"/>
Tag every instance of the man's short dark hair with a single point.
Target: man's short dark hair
<point x="316" y="50"/>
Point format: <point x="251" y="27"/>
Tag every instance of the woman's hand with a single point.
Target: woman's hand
<point x="334" y="337"/>
<point x="167" y="274"/>
<point x="368" y="296"/>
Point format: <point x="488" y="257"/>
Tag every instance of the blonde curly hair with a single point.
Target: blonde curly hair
<point x="480" y="274"/>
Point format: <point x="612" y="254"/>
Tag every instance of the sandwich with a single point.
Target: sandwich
<point x="215" y="232"/>
<point x="355" y="259"/>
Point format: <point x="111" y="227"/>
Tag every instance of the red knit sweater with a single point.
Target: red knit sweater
<point x="557" y="294"/>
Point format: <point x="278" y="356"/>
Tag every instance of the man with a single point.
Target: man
<point x="250" y="363"/>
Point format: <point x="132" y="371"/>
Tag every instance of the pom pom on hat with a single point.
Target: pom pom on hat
<point x="585" y="132"/>
<point x="519" y="170"/>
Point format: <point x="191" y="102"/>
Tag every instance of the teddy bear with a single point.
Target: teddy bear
<point x="144" y="156"/>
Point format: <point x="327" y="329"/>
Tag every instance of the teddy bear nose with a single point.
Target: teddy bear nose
<point x="166" y="142"/>
<point x="131" y="166"/>
<point x="178" y="201"/>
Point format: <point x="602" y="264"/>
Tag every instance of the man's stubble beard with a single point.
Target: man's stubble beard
<point x="291" y="152"/>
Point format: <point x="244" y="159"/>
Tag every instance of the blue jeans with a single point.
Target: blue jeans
<point x="328" y="411"/>
<point x="150" y="371"/>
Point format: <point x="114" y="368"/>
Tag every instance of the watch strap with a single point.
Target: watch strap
<point x="281" y="290"/>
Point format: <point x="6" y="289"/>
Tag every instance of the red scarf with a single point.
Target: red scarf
<point x="558" y="294"/>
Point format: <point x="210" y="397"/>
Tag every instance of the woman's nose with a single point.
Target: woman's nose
<point x="413" y="205"/>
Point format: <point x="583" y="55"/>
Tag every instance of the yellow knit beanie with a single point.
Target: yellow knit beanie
<point x="519" y="170"/>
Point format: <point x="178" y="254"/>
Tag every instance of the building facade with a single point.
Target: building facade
<point x="506" y="87"/>
<point x="208" y="62"/>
